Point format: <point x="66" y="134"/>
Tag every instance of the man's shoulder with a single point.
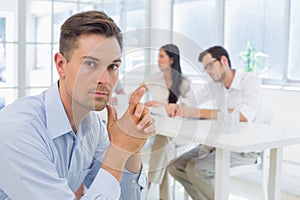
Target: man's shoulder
<point x="23" y="110"/>
<point x="244" y="74"/>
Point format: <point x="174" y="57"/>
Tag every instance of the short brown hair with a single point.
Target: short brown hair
<point x="216" y="52"/>
<point x="90" y="22"/>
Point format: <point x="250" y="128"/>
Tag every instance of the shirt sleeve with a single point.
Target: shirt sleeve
<point x="196" y="96"/>
<point x="134" y="186"/>
<point x="250" y="97"/>
<point x="105" y="186"/>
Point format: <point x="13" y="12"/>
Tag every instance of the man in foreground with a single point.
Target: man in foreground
<point x="52" y="143"/>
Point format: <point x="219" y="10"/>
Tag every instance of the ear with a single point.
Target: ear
<point x="171" y="61"/>
<point x="224" y="61"/>
<point x="60" y="62"/>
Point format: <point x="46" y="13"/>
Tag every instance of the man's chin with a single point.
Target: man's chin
<point x="100" y="104"/>
<point x="100" y="107"/>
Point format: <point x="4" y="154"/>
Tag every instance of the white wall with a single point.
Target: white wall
<point x="285" y="105"/>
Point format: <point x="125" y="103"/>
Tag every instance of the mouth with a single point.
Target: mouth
<point x="101" y="94"/>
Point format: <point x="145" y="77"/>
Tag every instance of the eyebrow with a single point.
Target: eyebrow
<point x="93" y="58"/>
<point x="90" y="57"/>
<point x="117" y="60"/>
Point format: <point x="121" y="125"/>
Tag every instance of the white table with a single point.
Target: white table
<point x="251" y="137"/>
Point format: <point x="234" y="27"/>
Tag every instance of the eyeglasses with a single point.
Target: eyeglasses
<point x="209" y="65"/>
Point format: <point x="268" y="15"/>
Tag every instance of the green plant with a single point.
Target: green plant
<point x="253" y="59"/>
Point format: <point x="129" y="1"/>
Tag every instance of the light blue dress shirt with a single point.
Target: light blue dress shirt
<point x="42" y="158"/>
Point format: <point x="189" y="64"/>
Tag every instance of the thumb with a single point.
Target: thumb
<point x="111" y="115"/>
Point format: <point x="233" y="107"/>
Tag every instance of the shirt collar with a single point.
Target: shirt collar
<point x="57" y="120"/>
<point x="236" y="82"/>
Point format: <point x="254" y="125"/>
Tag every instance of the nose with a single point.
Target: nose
<point x="104" y="78"/>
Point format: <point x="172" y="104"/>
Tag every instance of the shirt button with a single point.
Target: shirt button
<point x="141" y="181"/>
<point x="133" y="181"/>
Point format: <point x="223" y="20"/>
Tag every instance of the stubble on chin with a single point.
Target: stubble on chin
<point x="100" y="104"/>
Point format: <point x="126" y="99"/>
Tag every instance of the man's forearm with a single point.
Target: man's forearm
<point x="114" y="161"/>
<point x="207" y="113"/>
<point x="134" y="163"/>
<point x="242" y="117"/>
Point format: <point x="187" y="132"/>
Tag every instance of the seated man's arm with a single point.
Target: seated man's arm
<point x="251" y="98"/>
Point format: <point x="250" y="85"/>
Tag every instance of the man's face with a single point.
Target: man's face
<point x="213" y="67"/>
<point x="92" y="71"/>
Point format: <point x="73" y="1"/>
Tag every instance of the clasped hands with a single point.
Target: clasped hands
<point x="174" y="110"/>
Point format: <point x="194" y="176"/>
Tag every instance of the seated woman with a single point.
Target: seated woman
<point x="166" y="88"/>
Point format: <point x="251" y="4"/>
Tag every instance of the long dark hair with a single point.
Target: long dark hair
<point x="174" y="91"/>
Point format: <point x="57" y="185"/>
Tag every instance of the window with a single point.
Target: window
<point x="44" y="19"/>
<point x="272" y="28"/>
<point x="194" y="29"/>
<point x="8" y="52"/>
<point x="197" y="20"/>
<point x="41" y="22"/>
<point x="134" y="54"/>
<point x="2" y="48"/>
<point x="263" y="24"/>
<point x="294" y="58"/>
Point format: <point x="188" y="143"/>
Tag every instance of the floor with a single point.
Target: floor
<point x="239" y="190"/>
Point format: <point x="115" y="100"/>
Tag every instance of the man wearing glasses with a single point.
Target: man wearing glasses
<point x="229" y="89"/>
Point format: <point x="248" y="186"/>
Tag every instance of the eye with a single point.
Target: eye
<point x="112" y="67"/>
<point x="91" y="64"/>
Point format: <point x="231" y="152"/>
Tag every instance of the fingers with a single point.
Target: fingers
<point x="154" y="103"/>
<point x="178" y="111"/>
<point x="142" y="118"/>
<point x="139" y="109"/>
<point x="150" y="127"/>
<point x="145" y="119"/>
<point x="150" y="103"/>
<point x="111" y="114"/>
<point x="171" y="108"/>
<point x="136" y="97"/>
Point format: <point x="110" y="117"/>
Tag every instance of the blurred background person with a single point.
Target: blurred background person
<point x="166" y="87"/>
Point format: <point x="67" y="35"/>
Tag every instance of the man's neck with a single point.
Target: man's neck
<point x="74" y="112"/>
<point x="228" y="78"/>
